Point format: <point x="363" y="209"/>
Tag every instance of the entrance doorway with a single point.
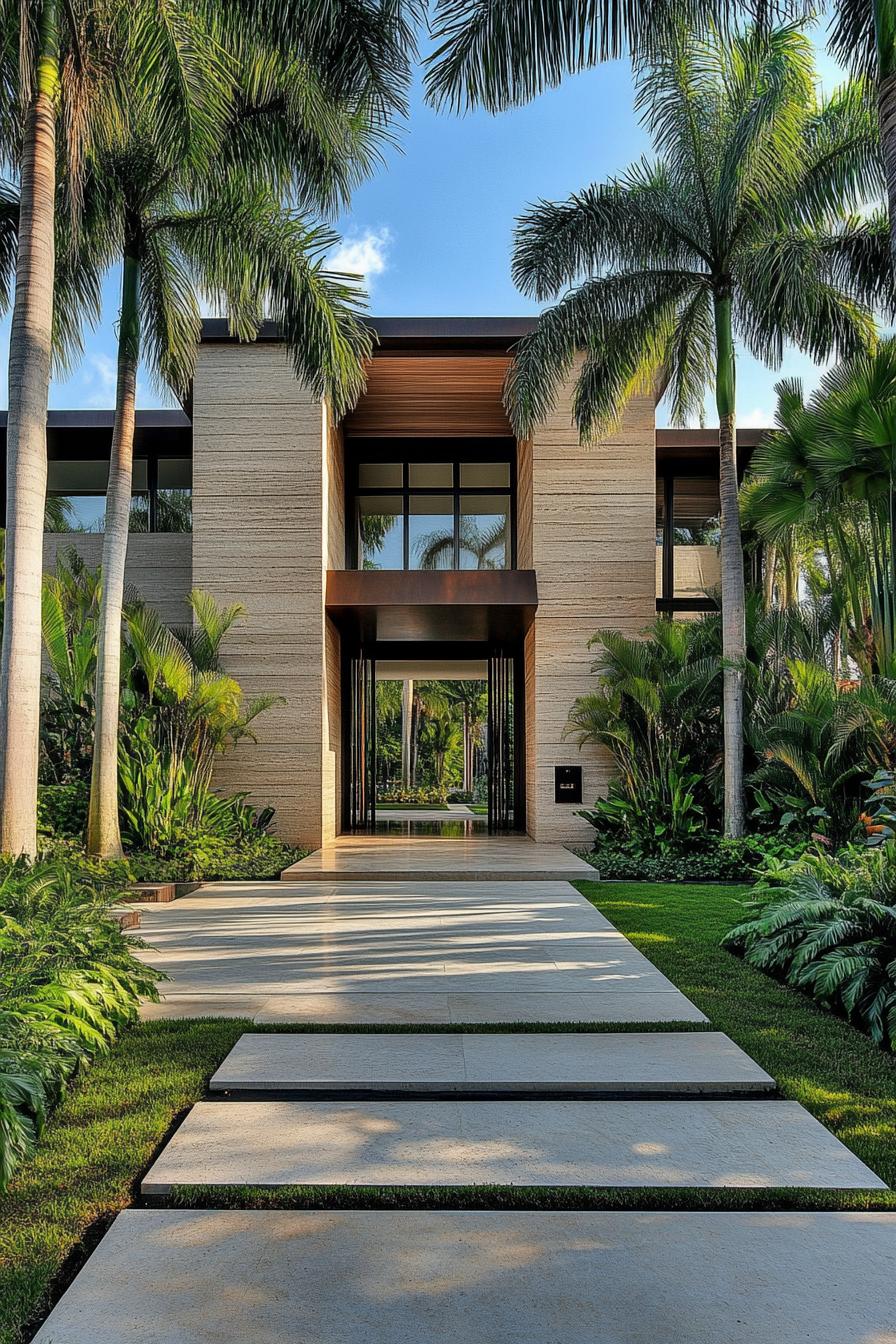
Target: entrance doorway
<point x="433" y="745"/>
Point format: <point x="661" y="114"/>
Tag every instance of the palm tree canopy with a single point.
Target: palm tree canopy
<point x="501" y="53"/>
<point x="753" y="198"/>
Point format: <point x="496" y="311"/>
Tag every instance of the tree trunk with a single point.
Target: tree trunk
<point x="885" y="37"/>
<point x="732" y="561"/>
<point x="26" y="454"/>
<point x="103" y="834"/>
<point x="468" y="748"/>
<point x="407" y="719"/>
<point x="770" y="564"/>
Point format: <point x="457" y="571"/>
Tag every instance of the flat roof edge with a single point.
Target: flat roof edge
<point x="403" y="328"/>
<point x="105" y="419"/>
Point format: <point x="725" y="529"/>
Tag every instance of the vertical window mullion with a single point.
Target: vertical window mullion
<point x="152" y="486"/>
<point x="406" y="502"/>
<point x="668" y="537"/>
<point x="456" y="497"/>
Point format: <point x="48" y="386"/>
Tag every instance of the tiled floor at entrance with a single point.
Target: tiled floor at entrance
<point x="467" y="858"/>
<point x="385" y="951"/>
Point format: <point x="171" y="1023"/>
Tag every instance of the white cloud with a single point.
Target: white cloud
<point x="756" y="419"/>
<point x="364" y="254"/>
<point x="100" y="376"/>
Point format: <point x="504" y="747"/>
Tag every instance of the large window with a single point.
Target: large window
<point x="428" y="513"/>
<point x="161" y="499"/>
<point x="687" y="535"/>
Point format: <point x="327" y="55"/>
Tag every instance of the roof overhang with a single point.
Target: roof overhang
<point x="432" y="606"/>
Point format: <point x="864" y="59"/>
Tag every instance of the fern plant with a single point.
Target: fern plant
<point x="827" y="926"/>
<point x="69" y="982"/>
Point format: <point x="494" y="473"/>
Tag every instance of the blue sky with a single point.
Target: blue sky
<point x="432" y="231"/>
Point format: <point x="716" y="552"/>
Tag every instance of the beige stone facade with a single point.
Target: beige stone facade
<point x="269" y="489"/>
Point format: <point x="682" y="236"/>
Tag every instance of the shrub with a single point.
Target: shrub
<point x="710" y="858"/>
<point x="62" y="808"/>
<point x="199" y="856"/>
<point x="826" y="925"/>
<point x="69" y="982"/>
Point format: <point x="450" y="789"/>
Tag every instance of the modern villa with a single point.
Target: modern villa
<point x="416" y="538"/>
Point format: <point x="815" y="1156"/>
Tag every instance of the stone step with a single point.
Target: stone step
<point x="595" y="1063"/>
<point x="152" y="893"/>
<point x="483" y="1278"/>
<point x="125" y="919"/>
<point x="523" y="1143"/>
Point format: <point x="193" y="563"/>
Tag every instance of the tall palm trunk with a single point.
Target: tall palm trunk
<point x="732" y="561"/>
<point x="29" y="385"/>
<point x="468" y="748"/>
<point x="103" y="835"/>
<point x="407" y="722"/>
<point x="770" y="565"/>
<point x="885" y="37"/>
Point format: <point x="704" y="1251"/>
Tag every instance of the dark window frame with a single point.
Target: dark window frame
<point x="151" y="493"/>
<point x="668" y="473"/>
<point x="409" y="452"/>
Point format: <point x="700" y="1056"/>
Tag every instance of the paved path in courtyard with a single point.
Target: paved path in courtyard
<point x="542" y="1110"/>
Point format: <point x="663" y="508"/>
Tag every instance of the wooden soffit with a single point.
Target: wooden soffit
<point x="420" y="395"/>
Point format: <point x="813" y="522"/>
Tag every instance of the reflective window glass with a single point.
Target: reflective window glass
<point x="430" y="532"/>
<point x="485" y="532"/>
<point x="380" y="532"/>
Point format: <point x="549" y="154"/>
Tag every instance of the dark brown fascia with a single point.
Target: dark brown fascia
<point x="421" y="333"/>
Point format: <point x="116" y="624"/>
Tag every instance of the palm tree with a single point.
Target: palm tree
<point x="831" y="466"/>
<point x="77" y="66"/>
<point x="149" y="201"/>
<point x="732" y="231"/>
<point x="62" y="67"/>
<point x="500" y="55"/>
<point x="472" y="698"/>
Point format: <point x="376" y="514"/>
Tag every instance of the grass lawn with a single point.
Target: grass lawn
<point x="481" y="809"/>
<point x="412" y="807"/>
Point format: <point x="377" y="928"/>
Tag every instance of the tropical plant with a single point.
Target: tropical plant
<point x="739" y="228"/>
<point x="827" y="925"/>
<point x="69" y="982"/>
<point x="442" y="737"/>
<point x="829" y="467"/>
<point x="656" y="706"/>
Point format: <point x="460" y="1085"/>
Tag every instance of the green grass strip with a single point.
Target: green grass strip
<point x="531" y="1197"/>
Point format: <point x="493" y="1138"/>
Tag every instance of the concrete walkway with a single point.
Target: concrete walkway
<point x="380" y="951"/>
<point x="602" y="1109"/>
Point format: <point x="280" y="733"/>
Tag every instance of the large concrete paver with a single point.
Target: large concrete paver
<point x="178" y="1277"/>
<point x="472" y="857"/>
<point x="446" y="951"/>
<point x="544" y="1143"/>
<point x="597" y="1063"/>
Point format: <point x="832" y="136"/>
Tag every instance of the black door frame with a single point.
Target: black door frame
<point x="358" y="739"/>
<point x="356" y="655"/>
